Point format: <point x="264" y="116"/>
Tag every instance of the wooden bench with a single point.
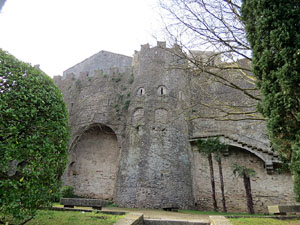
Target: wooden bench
<point x="85" y="202"/>
<point x="283" y="209"/>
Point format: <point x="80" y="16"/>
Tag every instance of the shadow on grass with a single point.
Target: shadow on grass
<point x="212" y="213"/>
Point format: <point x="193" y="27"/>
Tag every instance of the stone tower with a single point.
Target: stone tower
<point x="155" y="165"/>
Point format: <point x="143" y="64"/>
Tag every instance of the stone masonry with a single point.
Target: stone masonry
<point x="134" y="132"/>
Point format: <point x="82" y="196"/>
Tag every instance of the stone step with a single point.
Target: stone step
<point x="173" y="222"/>
<point x="219" y="220"/>
<point x="131" y="219"/>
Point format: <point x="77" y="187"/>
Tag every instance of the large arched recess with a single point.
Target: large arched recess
<point x="93" y="163"/>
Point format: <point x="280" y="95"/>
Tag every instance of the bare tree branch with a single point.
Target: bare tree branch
<point x="213" y="41"/>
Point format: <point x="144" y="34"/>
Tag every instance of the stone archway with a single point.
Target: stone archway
<point x="93" y="163"/>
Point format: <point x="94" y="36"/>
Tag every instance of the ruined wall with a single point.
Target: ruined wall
<point x="266" y="189"/>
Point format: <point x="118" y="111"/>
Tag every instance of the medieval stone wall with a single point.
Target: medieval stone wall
<point x="266" y="189"/>
<point x="153" y="109"/>
<point x="220" y="109"/>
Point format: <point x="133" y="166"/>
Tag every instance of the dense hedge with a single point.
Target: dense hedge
<point x="34" y="137"/>
<point x="273" y="31"/>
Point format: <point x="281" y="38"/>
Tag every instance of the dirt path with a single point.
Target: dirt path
<point x="163" y="215"/>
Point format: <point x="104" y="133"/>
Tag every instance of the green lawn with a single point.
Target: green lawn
<point x="262" y="221"/>
<point x="50" y="217"/>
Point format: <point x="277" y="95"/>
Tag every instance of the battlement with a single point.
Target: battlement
<point x="161" y="45"/>
<point x="156" y="52"/>
<point x="106" y="61"/>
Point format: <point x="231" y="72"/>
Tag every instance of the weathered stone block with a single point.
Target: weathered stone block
<point x="94" y="203"/>
<point x="131" y="219"/>
<point x="283" y="209"/>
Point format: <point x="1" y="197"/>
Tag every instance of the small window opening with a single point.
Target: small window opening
<point x="162" y="90"/>
<point x="141" y="91"/>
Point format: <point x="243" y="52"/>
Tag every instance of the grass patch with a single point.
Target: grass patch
<point x="57" y="204"/>
<point x="49" y="217"/>
<point x="218" y="213"/>
<point x="262" y="221"/>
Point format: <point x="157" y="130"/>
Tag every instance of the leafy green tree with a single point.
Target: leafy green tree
<point x="34" y="137"/>
<point x="273" y="31"/>
<point x="209" y="147"/>
<point x="245" y="173"/>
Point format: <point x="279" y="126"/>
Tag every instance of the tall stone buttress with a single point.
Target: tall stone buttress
<point x="155" y="165"/>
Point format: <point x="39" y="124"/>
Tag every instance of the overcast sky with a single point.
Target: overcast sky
<point x="57" y="34"/>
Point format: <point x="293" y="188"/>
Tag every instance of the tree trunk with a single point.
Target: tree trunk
<point x="222" y="184"/>
<point x="212" y="179"/>
<point x="248" y="193"/>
